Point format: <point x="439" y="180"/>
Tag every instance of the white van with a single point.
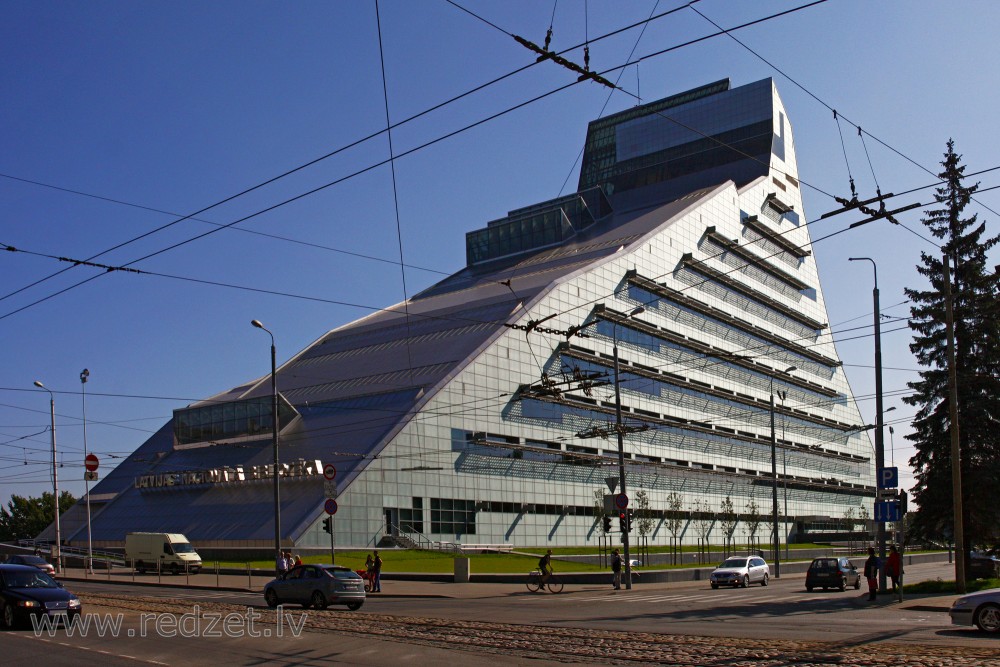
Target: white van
<point x="172" y="551"/>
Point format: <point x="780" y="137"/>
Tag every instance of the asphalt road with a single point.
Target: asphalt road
<point x="685" y="623"/>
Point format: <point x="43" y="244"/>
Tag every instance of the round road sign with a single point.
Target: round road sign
<point x="329" y="471"/>
<point x="330" y="506"/>
<point x="621" y="501"/>
<point x="91" y="462"/>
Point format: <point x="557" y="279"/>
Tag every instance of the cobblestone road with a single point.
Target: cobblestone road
<point x="576" y="645"/>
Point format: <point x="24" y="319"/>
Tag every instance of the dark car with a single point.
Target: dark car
<point x="317" y="586"/>
<point x="26" y="591"/>
<point x="33" y="561"/>
<point x="832" y="572"/>
<point x="983" y="566"/>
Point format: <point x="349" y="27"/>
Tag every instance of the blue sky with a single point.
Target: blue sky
<point x="168" y="108"/>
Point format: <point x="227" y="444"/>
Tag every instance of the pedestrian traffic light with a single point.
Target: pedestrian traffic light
<point x="607" y="524"/>
<point x="328" y="525"/>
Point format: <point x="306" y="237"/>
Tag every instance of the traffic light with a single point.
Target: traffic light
<point x="628" y="521"/>
<point x="328" y="525"/>
<point x="902" y="503"/>
<point x="622" y="522"/>
<point x="607" y="524"/>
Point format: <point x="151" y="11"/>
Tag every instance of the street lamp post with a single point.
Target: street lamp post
<point x="84" y="374"/>
<point x="621" y="444"/>
<point x="274" y="444"/>
<point x="774" y="484"/>
<point x="879" y="439"/>
<point x="55" y="474"/>
<point x="784" y="464"/>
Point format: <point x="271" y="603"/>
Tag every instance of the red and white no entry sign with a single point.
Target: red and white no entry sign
<point x="91" y="462"/>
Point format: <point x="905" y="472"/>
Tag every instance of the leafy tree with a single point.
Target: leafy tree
<point x="704" y="518"/>
<point x="752" y="520"/>
<point x="728" y="518"/>
<point x="864" y="516"/>
<point x="599" y="508"/>
<point x="24" y="518"/>
<point x="675" y="520"/>
<point x="974" y="290"/>
<point x="644" y="518"/>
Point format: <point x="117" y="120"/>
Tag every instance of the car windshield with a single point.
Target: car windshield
<point x="28" y="580"/>
<point x="343" y="574"/>
<point x="735" y="562"/>
<point x="183" y="548"/>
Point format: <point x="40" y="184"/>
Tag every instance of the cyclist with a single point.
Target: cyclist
<point x="545" y="567"/>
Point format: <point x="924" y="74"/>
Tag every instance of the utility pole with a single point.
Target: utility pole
<point x="956" y="451"/>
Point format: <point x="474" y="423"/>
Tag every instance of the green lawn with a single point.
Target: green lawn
<point x="942" y="587"/>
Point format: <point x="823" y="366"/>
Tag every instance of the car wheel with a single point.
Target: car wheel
<point x="715" y="586"/>
<point x="9" y="621"/>
<point x="354" y="606"/>
<point x="809" y="589"/>
<point x="988" y="618"/>
<point x="271" y="598"/>
<point x="763" y="582"/>
<point x="857" y="584"/>
<point x="319" y="600"/>
<point x="175" y="569"/>
<point x="140" y="567"/>
<point x="746" y="580"/>
<point x="843" y="584"/>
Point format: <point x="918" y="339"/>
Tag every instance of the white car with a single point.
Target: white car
<point x="981" y="609"/>
<point x="741" y="571"/>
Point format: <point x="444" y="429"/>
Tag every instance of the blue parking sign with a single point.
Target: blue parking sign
<point x="888" y="478"/>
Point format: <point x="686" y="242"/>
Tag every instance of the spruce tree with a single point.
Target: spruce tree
<point x="974" y="288"/>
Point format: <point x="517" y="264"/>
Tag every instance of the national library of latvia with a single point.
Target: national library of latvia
<point x="484" y="411"/>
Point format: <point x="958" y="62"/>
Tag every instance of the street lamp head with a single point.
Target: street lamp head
<point x="39" y="384"/>
<point x="637" y="311"/>
<point x="791" y="368"/>
<point x="257" y="324"/>
<point x="84" y="374"/>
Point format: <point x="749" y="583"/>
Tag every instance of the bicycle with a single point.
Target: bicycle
<point x="535" y="584"/>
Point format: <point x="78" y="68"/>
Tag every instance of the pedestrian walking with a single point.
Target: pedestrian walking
<point x="894" y="570"/>
<point x="377" y="571"/>
<point x="872" y="567"/>
<point x="616" y="570"/>
<point x="281" y="564"/>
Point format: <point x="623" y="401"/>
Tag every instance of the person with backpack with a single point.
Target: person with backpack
<point x="616" y="570"/>
<point x="545" y="566"/>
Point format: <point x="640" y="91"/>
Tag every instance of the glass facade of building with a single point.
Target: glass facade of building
<point x="484" y="411"/>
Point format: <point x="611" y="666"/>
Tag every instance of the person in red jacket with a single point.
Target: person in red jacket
<point x="894" y="570"/>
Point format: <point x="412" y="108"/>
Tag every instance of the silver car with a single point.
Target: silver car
<point x="317" y="586"/>
<point x="741" y="571"/>
<point x="981" y="609"/>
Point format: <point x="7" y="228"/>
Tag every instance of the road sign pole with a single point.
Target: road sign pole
<point x="333" y="543"/>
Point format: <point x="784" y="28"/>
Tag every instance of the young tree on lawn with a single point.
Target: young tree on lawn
<point x="675" y="519"/>
<point x="728" y="519"/>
